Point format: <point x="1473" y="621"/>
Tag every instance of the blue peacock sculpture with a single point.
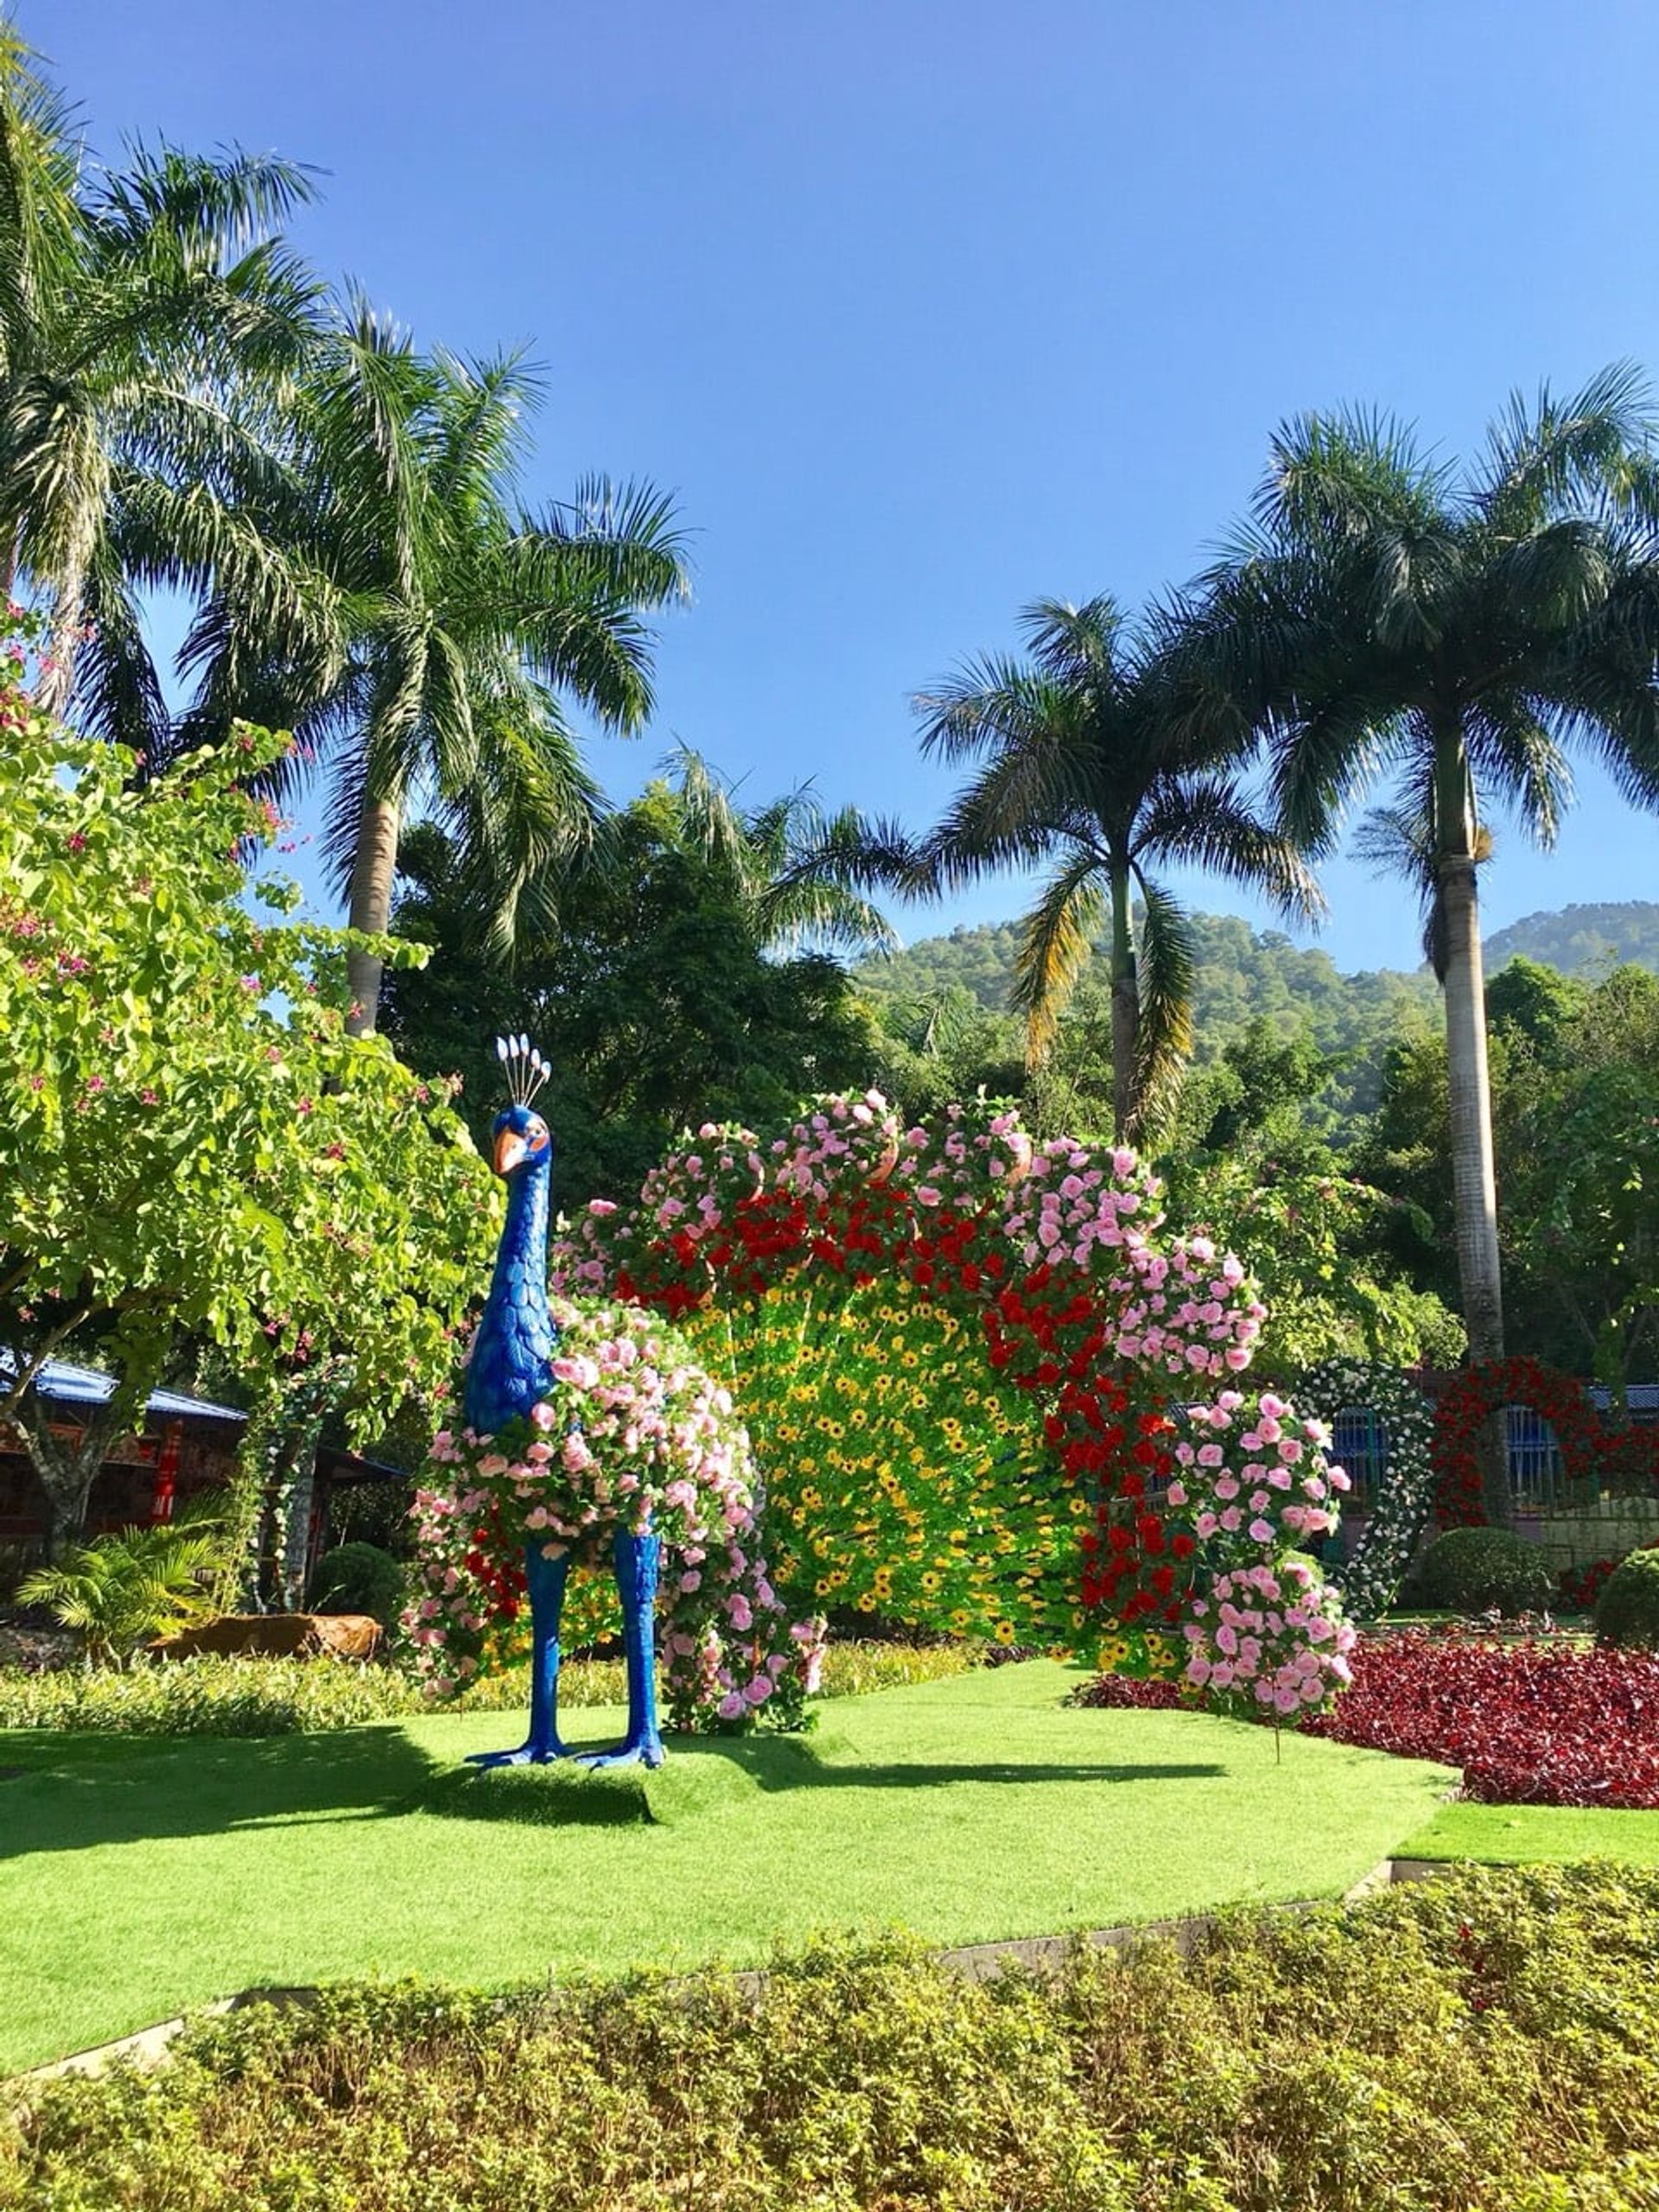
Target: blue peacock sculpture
<point x="509" y="1372"/>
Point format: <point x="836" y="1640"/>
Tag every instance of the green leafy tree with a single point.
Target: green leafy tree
<point x="190" y="1145"/>
<point x="150" y="320"/>
<point x="1527" y="1001"/>
<point x="1388" y="614"/>
<point x="441" y="625"/>
<point x="1579" y="1152"/>
<point x="1343" y="1266"/>
<point x="652" y="984"/>
<point x="1090" y="764"/>
<point x="939" y="1047"/>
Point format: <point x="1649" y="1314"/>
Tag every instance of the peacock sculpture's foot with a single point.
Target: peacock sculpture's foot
<point x="642" y="1751"/>
<point x="526" y="1755"/>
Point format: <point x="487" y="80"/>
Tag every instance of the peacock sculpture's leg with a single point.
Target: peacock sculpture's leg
<point x="547" y="1578"/>
<point x="639" y="1560"/>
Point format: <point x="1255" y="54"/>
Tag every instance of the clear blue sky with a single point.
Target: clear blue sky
<point x="925" y="307"/>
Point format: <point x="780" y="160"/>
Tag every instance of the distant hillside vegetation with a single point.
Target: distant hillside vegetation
<point x="1244" y="972"/>
<point x="1584" y="940"/>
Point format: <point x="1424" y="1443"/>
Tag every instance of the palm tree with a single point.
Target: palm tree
<point x="441" y="624"/>
<point x="1091" y="761"/>
<point x="124" y="1590"/>
<point x="800" y="872"/>
<point x="1388" y="615"/>
<point x="148" y="321"/>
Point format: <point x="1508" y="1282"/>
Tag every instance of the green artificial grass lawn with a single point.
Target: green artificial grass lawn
<point x="139" y="1877"/>
<point x="1521" y="1834"/>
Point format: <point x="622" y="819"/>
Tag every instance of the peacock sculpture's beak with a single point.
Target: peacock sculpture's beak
<point x="509" y="1149"/>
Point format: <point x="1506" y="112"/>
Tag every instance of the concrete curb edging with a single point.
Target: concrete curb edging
<point x="148" y="2047"/>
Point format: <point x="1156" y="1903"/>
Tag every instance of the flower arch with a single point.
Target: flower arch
<point x="1472" y="1396"/>
<point x="1370" y="1580"/>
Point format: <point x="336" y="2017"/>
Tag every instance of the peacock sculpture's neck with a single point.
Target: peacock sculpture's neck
<point x="517" y="1335"/>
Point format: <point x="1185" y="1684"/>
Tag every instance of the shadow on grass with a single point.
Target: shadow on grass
<point x="77" y="1795"/>
<point x="74" y="1795"/>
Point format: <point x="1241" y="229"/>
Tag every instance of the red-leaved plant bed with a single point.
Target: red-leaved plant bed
<point x="1542" y="1723"/>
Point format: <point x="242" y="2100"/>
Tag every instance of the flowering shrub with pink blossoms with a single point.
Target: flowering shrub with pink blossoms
<point x="1268" y="1633"/>
<point x="633" y="1434"/>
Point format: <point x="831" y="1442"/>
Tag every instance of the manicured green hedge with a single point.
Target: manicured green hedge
<point x="284" y="1697"/>
<point x="1487" y="2042"/>
<point x="1627" y="1611"/>
<point x="357" y="1578"/>
<point x="1485" y="1570"/>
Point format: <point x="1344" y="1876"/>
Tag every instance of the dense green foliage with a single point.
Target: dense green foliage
<point x="357" y="1578"/>
<point x="1627" y="1611"/>
<point x="208" y="1696"/>
<point x="189" y="1145"/>
<point x="1575" y="1073"/>
<point x="1485" y="1570"/>
<point x="1250" y="1158"/>
<point x="1483" y="2044"/>
<point x="654" y="992"/>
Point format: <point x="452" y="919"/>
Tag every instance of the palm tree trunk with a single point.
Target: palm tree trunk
<point x="1126" y="1011"/>
<point x="372" y="870"/>
<point x="63" y="639"/>
<point x="1474" y="1175"/>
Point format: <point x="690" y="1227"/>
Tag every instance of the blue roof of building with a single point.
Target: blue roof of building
<point x="1643" y="1397"/>
<point x="65" y="1384"/>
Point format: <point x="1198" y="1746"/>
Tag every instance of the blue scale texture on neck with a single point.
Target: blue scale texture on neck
<point x="516" y="1338"/>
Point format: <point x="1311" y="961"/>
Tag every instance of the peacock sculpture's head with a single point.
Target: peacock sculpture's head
<point x="522" y="1141"/>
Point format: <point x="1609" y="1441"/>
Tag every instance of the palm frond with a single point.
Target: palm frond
<point x="995" y="702"/>
<point x="1056" y="939"/>
<point x="1075" y="646"/>
<point x="1337" y="478"/>
<point x="1207" y="822"/>
<point x="817" y="893"/>
<point x="1165" y="973"/>
<point x="212" y="203"/>
<point x="1552" y="454"/>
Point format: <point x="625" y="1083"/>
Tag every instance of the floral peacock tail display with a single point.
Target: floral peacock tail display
<point x="987" y="1390"/>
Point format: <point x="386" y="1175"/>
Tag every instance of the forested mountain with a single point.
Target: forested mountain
<point x="1583" y="940"/>
<point x="1244" y="973"/>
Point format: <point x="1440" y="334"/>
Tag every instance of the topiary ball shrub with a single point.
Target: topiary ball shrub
<point x="1627" y="1612"/>
<point x="1484" y="1571"/>
<point x="359" y="1579"/>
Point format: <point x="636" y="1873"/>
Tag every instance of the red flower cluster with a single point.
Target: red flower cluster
<point x="1588" y="1446"/>
<point x="1580" y="1586"/>
<point x="1529" y="1724"/>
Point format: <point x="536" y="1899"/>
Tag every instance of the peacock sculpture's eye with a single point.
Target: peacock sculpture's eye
<point x="535" y="1133"/>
